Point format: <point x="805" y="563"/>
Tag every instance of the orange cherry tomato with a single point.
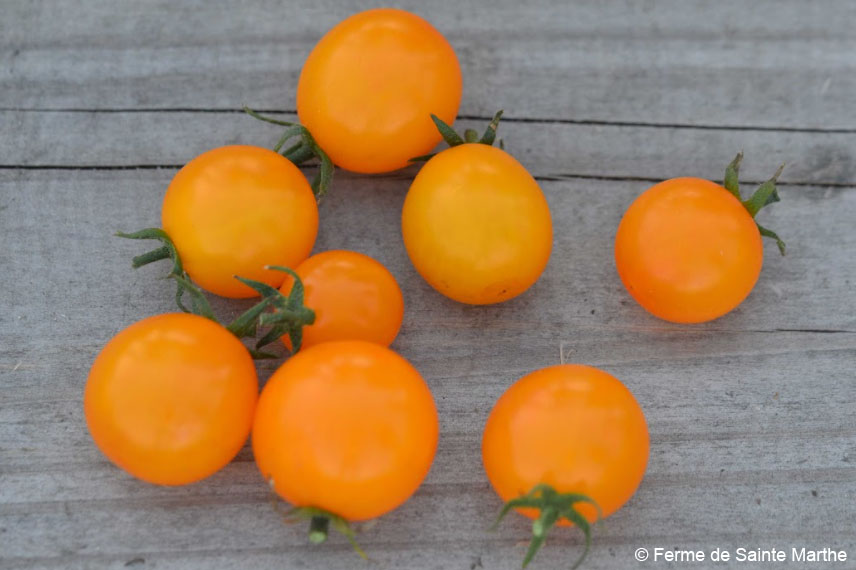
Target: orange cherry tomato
<point x="476" y="225"/>
<point x="349" y="427"/>
<point x="235" y="209"/>
<point x="572" y="427"/>
<point x="688" y="251"/>
<point x="170" y="399"/>
<point x="368" y="88"/>
<point x="354" y="298"/>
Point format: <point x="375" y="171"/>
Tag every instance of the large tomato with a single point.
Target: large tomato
<point x="562" y="441"/>
<point x="349" y="427"/>
<point x="232" y="211"/>
<point x="171" y="398"/>
<point x="367" y="90"/>
<point x="689" y="250"/>
<point x="476" y="225"/>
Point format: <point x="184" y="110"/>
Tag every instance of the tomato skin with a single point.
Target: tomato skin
<point x="170" y="399"/>
<point x="354" y="298"/>
<point x="476" y="225"/>
<point x="234" y="209"/>
<point x="349" y="427"/>
<point x="573" y="427"/>
<point x="368" y="88"/>
<point x="688" y="251"/>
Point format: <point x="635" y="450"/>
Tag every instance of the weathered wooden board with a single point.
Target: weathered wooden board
<point x="751" y="416"/>
<point x="772" y="63"/>
<point x="548" y="149"/>
<point x="754" y="407"/>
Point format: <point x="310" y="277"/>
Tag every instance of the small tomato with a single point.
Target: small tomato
<point x="353" y="296"/>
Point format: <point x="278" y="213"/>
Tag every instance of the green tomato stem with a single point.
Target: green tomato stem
<point x="553" y="506"/>
<point x="318" y="529"/>
<point x="290" y="312"/>
<point x="320" y="522"/>
<point x="452" y="138"/>
<point x="764" y="195"/>
<point x="304" y="149"/>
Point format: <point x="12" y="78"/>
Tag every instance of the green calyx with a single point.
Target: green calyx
<point x="300" y="151"/>
<point x="290" y="314"/>
<point x="320" y="522"/>
<point x="452" y="138"/>
<point x="552" y="506"/>
<point x="764" y="195"/>
<point x="289" y="317"/>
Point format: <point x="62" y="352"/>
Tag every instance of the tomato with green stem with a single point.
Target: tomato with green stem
<point x="367" y="88"/>
<point x="353" y="296"/>
<point x="171" y="398"/>
<point x="233" y="211"/>
<point x="564" y="445"/>
<point x="475" y="223"/>
<point x="289" y="316"/>
<point x="344" y="431"/>
<point x="689" y="250"/>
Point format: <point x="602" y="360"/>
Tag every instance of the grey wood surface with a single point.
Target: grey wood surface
<point x="753" y="441"/>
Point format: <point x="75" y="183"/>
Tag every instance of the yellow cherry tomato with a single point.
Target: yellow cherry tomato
<point x="349" y="427"/>
<point x="573" y="427"/>
<point x="354" y="298"/>
<point x="476" y="225"/>
<point x="688" y="251"/>
<point x="235" y="209"/>
<point x="170" y="399"/>
<point x="368" y="88"/>
<point x="565" y="445"/>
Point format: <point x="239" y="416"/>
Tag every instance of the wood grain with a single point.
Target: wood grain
<point x="751" y="416"/>
<point x="774" y="63"/>
<point x="548" y="149"/>
<point x="755" y="406"/>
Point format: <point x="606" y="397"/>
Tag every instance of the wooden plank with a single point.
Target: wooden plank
<point x="772" y="63"/>
<point x="548" y="149"/>
<point x="750" y="415"/>
<point x="753" y="440"/>
<point x="82" y="209"/>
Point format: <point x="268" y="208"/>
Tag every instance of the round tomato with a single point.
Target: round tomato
<point x="170" y="399"/>
<point x="349" y="427"/>
<point x="572" y="427"/>
<point x="476" y="225"/>
<point x="688" y="250"/>
<point x="235" y="209"/>
<point x="367" y="90"/>
<point x="354" y="298"/>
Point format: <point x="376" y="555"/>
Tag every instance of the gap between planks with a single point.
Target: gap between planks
<point x="541" y="178"/>
<point x="506" y="118"/>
